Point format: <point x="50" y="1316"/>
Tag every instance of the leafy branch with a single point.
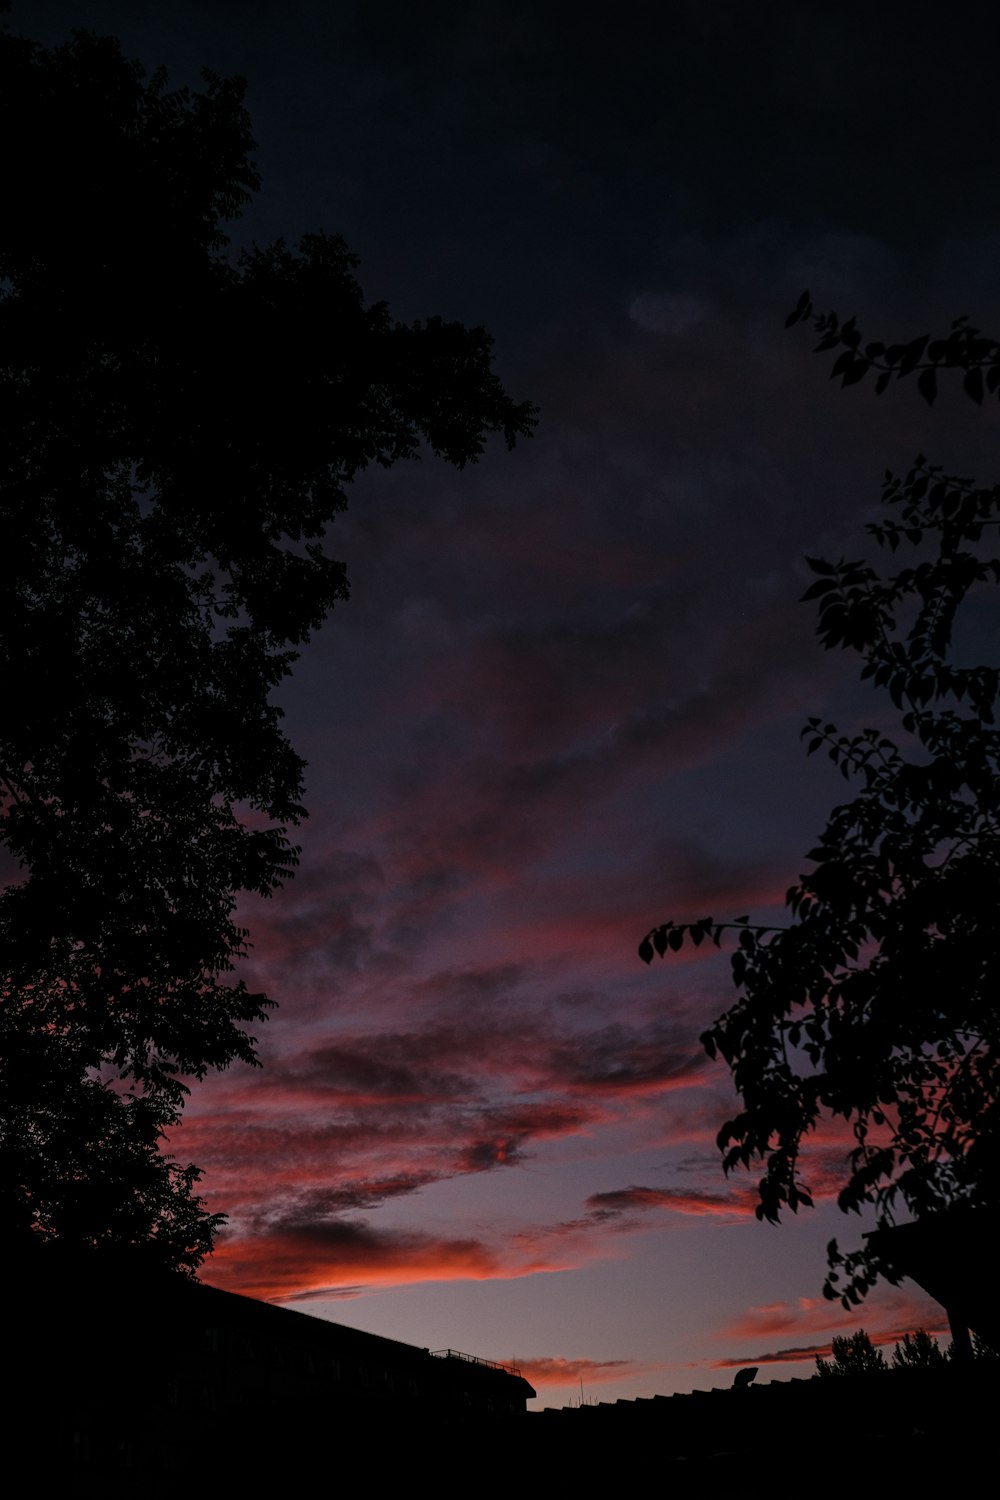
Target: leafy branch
<point x="875" y="1002"/>
<point x="963" y="348"/>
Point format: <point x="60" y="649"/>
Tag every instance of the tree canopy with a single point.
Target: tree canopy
<point x="853" y="1354"/>
<point x="918" y="1351"/>
<point x="182" y="424"/>
<point x="875" y="1003"/>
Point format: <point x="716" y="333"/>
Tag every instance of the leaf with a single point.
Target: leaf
<point x="802" y="309"/>
<point x="927" y="385"/>
<point x="910" y="355"/>
<point x="804" y="305"/>
<point x="818" y="589"/>
<point x="842" y="363"/>
<point x="856" y="371"/>
<point x="973" y="384"/>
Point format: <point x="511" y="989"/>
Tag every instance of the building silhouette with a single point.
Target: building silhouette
<point x="171" y="1386"/>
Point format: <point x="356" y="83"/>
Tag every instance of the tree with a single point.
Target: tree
<point x="918" y="1351"/>
<point x="180" y="427"/>
<point x="80" y="1164"/>
<point x="876" y="1003"/>
<point x="852" y="1355"/>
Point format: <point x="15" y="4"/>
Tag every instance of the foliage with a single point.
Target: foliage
<point x="181" y="426"/>
<point x="853" y="1354"/>
<point x="876" y="1003"/>
<point x="918" y="1351"/>
<point x="962" y="348"/>
<point x="81" y="1165"/>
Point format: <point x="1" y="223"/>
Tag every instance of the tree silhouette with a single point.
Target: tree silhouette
<point x="180" y="427"/>
<point x="853" y="1354"/>
<point x="876" y="1003"/>
<point x="918" y="1351"/>
<point x="80" y="1164"/>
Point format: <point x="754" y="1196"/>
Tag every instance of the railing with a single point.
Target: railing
<point x="474" y="1359"/>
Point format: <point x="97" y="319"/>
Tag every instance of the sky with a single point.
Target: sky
<point x="563" y="702"/>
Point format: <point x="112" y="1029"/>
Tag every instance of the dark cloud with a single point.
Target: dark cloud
<point x="322" y="1204"/>
<point x="612" y="1205"/>
<point x="496" y="1046"/>
<point x="776" y="1357"/>
<point x="619" y="1059"/>
<point x="513" y="1128"/>
<point x="372" y="1069"/>
<point x="480" y="1156"/>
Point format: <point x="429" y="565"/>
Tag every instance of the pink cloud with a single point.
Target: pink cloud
<point x="452" y="1097"/>
<point x="307" y="1260"/>
<point x="555" y="1371"/>
<point x="886" y="1317"/>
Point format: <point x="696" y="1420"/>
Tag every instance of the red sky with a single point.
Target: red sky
<point x="563" y="702"/>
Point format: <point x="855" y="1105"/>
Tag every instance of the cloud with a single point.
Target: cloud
<point x="505" y="1050"/>
<point x="323" y="1258"/>
<point x="886" y="1317"/>
<point x="293" y="1259"/>
<point x="528" y="786"/>
<point x="774" y="1357"/>
<point x="323" y="923"/>
<point x="377" y="1069"/>
<point x="667" y="313"/>
<point x="810" y="1352"/>
<point x="364" y="1193"/>
<point x="623" y="1061"/>
<point x="489" y="829"/>
<point x="500" y="1073"/>
<point x="555" y="1371"/>
<point x="628" y="1200"/>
